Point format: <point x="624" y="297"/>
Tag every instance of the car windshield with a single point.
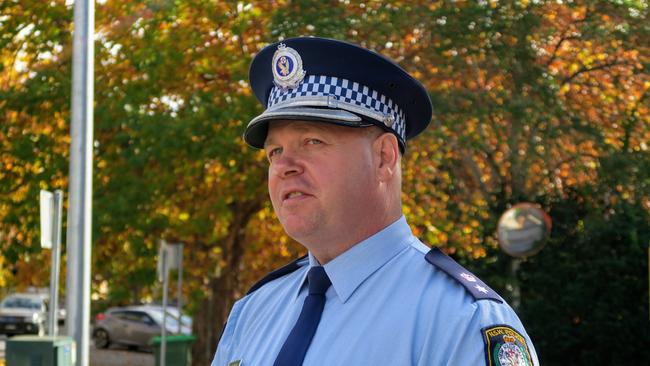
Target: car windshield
<point x="21" y="302"/>
<point x="172" y="321"/>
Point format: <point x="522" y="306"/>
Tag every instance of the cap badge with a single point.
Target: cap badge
<point x="287" y="67"/>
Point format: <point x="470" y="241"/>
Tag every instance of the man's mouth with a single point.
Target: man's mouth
<point x="293" y="194"/>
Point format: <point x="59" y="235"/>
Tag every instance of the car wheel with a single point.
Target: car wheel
<point x="101" y="338"/>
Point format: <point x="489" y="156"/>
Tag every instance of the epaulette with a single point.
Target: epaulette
<point x="476" y="287"/>
<point x="277" y="274"/>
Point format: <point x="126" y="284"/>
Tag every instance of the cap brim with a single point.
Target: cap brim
<point x="255" y="133"/>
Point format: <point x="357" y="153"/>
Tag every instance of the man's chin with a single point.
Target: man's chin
<point x="298" y="229"/>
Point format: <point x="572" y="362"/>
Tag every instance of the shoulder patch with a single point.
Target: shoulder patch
<point x="504" y="346"/>
<point x="276" y="274"/>
<point x="477" y="288"/>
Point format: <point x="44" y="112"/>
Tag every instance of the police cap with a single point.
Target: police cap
<point x="326" y="80"/>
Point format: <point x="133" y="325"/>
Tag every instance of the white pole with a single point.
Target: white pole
<point x="80" y="190"/>
<point x="163" y="336"/>
<point x="179" y="291"/>
<point x="56" y="260"/>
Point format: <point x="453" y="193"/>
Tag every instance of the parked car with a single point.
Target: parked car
<point x="134" y="326"/>
<point x="23" y="313"/>
<point x="186" y="321"/>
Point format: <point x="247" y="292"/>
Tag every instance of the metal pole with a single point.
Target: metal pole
<point x="516" y="289"/>
<point x="179" y="290"/>
<point x="80" y="190"/>
<point x="56" y="260"/>
<point x="163" y="336"/>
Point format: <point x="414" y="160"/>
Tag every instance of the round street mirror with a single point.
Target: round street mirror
<point x="523" y="230"/>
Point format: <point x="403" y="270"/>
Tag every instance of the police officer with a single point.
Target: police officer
<point x="336" y="124"/>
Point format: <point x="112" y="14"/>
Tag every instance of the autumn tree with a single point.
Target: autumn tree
<point x="532" y="101"/>
<point x="34" y="138"/>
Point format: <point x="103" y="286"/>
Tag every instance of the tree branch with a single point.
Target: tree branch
<point x="585" y="69"/>
<point x="476" y="173"/>
<point x="557" y="48"/>
<point x="564" y="38"/>
<point x="572" y="158"/>
<point x="632" y="121"/>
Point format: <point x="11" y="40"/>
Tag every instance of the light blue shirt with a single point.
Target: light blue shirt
<point x="387" y="306"/>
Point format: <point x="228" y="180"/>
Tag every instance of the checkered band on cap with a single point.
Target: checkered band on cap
<point x="339" y="93"/>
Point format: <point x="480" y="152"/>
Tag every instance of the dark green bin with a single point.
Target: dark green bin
<point x="179" y="350"/>
<point x="31" y="350"/>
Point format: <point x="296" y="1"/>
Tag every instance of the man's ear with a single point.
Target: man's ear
<point x="386" y="150"/>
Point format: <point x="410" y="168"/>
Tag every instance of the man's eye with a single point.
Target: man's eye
<point x="314" y="141"/>
<point x="274" y="152"/>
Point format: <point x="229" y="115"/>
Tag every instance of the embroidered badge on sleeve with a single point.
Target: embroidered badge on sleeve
<point x="504" y="346"/>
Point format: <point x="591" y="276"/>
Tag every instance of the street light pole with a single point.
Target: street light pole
<point x="80" y="189"/>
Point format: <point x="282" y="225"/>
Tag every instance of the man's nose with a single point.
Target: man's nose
<point x="287" y="164"/>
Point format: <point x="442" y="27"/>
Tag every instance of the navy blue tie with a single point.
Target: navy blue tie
<point x="295" y="347"/>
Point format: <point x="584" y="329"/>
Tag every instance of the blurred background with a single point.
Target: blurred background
<point x="534" y="101"/>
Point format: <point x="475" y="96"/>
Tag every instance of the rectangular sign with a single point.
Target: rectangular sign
<point x="173" y="254"/>
<point x="47" y="211"/>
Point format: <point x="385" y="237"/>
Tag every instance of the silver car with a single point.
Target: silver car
<point x="23" y="314"/>
<point x="134" y="326"/>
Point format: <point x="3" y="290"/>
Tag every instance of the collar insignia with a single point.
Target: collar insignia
<point x="468" y="277"/>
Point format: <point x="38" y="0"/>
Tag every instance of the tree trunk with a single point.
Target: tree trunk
<point x="215" y="307"/>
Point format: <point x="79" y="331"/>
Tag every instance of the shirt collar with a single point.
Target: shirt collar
<point x="352" y="267"/>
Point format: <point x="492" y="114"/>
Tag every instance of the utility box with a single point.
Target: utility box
<point x="179" y="350"/>
<point x="40" y="351"/>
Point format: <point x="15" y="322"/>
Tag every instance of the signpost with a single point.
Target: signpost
<point x="51" y="209"/>
<point x="169" y="256"/>
<point x="163" y="265"/>
<point x="179" y="288"/>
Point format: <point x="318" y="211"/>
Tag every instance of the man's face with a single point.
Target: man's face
<point x="320" y="176"/>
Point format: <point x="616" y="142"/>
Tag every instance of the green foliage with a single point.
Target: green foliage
<point x="307" y="17"/>
<point x="587" y="290"/>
